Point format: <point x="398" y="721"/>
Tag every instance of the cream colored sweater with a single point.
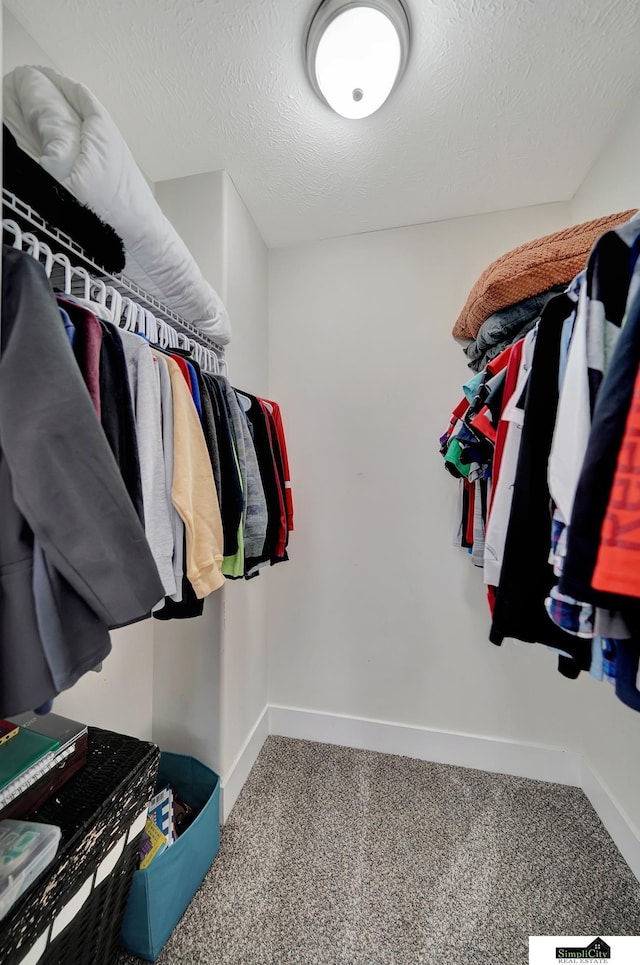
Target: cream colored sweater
<point x="194" y="492"/>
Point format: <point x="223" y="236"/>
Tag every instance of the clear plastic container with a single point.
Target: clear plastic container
<point x="26" y="849"/>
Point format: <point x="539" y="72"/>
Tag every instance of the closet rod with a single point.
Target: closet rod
<point x="127" y="288"/>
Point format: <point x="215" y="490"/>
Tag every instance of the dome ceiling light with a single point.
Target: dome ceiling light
<point x="356" y="53"/>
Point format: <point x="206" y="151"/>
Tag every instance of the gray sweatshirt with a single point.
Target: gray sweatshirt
<point x="177" y="526"/>
<point x="144" y="381"/>
<point x="256" y="513"/>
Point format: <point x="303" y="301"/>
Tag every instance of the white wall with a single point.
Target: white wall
<point x="611" y="731"/>
<point x="194" y="206"/>
<point x="207" y="699"/>
<point x="187" y="679"/>
<point x="245" y="629"/>
<point x="613" y="183"/>
<point x="120" y="697"/>
<point x="187" y="667"/>
<point x="18" y="47"/>
<point x="378" y="615"/>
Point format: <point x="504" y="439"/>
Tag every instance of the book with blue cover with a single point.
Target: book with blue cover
<point x="161" y="813"/>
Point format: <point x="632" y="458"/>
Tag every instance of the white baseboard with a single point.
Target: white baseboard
<point x="442" y="747"/>
<point x="618" y="825"/>
<point x="234" y="780"/>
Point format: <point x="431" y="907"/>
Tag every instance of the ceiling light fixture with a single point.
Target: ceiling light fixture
<point x="356" y="53"/>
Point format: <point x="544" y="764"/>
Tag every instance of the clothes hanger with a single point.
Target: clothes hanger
<point x="97" y="301"/>
<point x="130" y="310"/>
<point x="33" y="244"/>
<point x="9" y="225"/>
<point x="48" y="258"/>
<point x="152" y="326"/>
<point x="101" y="297"/>
<point x="60" y="259"/>
<point x="113" y="304"/>
<point x="163" y="333"/>
<point x="244" y="401"/>
<point x="84" y="274"/>
<point x="140" y="320"/>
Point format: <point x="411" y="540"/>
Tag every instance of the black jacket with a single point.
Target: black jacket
<point x="527" y="576"/>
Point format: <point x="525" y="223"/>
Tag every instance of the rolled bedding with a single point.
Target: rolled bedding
<point x="60" y="124"/>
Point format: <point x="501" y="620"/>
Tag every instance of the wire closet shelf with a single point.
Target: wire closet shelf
<point x="159" y="320"/>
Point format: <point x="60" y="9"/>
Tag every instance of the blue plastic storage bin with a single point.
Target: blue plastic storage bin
<point x="160" y="894"/>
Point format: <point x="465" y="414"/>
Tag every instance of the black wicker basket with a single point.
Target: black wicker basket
<point x="74" y="911"/>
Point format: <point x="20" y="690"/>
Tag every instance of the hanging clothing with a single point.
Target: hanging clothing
<point x="565" y="485"/>
<point x="59" y="484"/>
<point x="275" y="539"/>
<point x="276" y="412"/>
<point x="144" y="386"/>
<point x="195" y="389"/>
<point x="209" y="429"/>
<point x="256" y="516"/>
<point x="116" y="414"/>
<point x="231" y="496"/>
<point x="187" y="608"/>
<point x="617" y="568"/>
<point x="598" y="469"/>
<point x="167" y="418"/>
<point x="526" y="574"/>
<point x="505" y="463"/>
<point x="87" y="345"/>
<point x="281" y="480"/>
<point x="193" y="491"/>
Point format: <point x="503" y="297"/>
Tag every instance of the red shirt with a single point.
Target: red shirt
<point x="277" y="418"/>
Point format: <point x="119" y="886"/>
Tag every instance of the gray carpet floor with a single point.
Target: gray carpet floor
<point x="334" y="856"/>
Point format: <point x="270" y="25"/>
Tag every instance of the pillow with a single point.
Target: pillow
<point x="530" y="269"/>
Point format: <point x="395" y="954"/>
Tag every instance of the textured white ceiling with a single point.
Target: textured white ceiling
<point x="504" y="103"/>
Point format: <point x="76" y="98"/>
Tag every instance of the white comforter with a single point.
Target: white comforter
<point x="68" y="131"/>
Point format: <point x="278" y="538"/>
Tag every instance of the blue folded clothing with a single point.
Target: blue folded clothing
<point x="506" y="326"/>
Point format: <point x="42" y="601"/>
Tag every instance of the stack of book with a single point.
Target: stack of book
<point x="159" y="833"/>
<point x="37" y="756"/>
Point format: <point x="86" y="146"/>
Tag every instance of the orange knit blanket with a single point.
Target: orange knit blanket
<point x="530" y="269"/>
